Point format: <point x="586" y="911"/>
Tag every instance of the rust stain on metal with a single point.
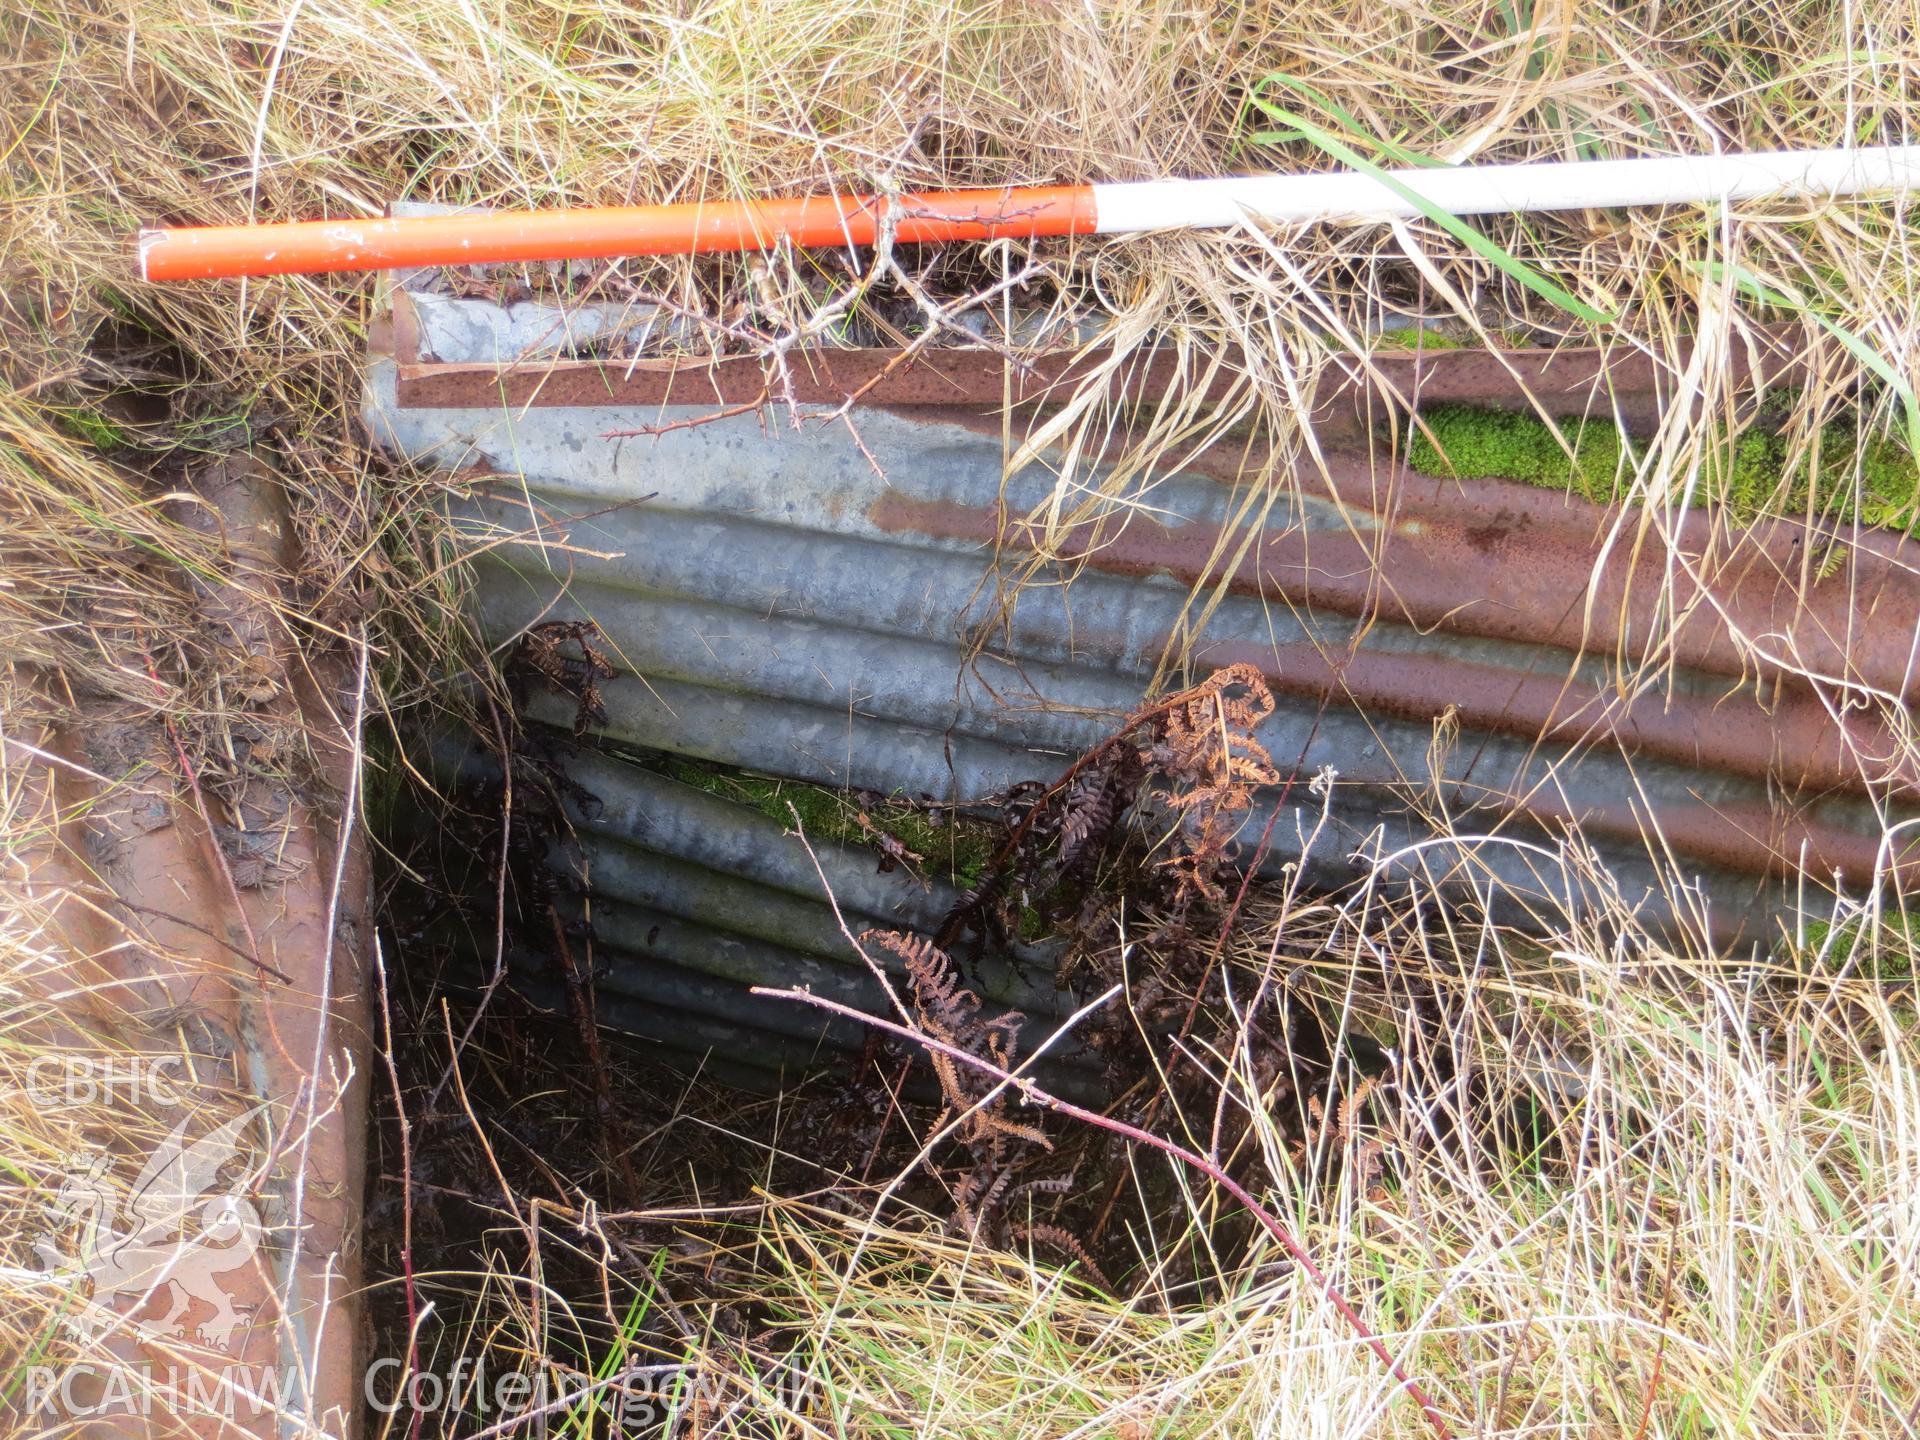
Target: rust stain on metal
<point x="1515" y="562"/>
<point x="1795" y="740"/>
<point x="1526" y="613"/>
<point x="1520" y="582"/>
<point x="232" y="947"/>
<point x="1567" y="380"/>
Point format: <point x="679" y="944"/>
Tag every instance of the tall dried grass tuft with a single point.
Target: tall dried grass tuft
<point x="1603" y="1187"/>
<point x="199" y="112"/>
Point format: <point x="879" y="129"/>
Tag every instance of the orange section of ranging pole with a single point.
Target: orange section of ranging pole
<point x="310" y="246"/>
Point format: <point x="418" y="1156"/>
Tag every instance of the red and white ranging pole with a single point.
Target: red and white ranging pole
<point x="315" y="246"/>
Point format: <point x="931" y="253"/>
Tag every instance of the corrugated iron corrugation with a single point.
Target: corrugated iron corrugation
<point x="691" y="899"/>
<point x="796" y="602"/>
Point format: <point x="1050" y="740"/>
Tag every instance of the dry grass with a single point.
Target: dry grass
<point x="1717" y="1239"/>
<point x="203" y="112"/>
<point x="206" y="113"/>
<point x="1610" y="1189"/>
<point x="1721" y="1236"/>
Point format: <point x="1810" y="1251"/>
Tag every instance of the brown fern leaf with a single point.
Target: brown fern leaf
<point x="1244" y="714"/>
<point x="949" y="1078"/>
<point x="1253" y="765"/>
<point x="1002" y="1034"/>
<point x="1349" y="1112"/>
<point x="968" y="1216"/>
<point x="978" y="910"/>
<point x="1089" y="815"/>
<point x="1051" y="1185"/>
<point x="1063" y="1239"/>
<point x="578" y="677"/>
<point x="950" y="1014"/>
<point x="997" y="1190"/>
<point x="994" y="1119"/>
<point x="1208" y="750"/>
<point x="946" y="1008"/>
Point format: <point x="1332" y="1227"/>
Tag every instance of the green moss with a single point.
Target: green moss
<point x="1891" y="959"/>
<point x="1743" y="477"/>
<point x="1033" y="925"/>
<point x="956" y="850"/>
<point x="1417" y="339"/>
<point x="1890" y="485"/>
<point x="1517" y="445"/>
<point x="1842" y="478"/>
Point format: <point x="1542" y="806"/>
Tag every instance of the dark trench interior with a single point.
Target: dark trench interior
<point x="542" y="1138"/>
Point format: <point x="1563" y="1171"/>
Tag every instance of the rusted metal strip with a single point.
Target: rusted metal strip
<point x="764" y="694"/>
<point x="1516" y="562"/>
<point x="1410" y="568"/>
<point x="225" y="933"/>
<point x="1530" y="552"/>
<point x="1571" y="380"/>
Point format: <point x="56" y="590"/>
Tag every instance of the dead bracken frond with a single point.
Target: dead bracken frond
<point x="1197" y="745"/>
<point x="951" y="1013"/>
<point x="1071" y="861"/>
<point x="1207" y="751"/>
<point x="578" y="677"/>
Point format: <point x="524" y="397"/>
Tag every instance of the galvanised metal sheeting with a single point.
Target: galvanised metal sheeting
<point x="794" y="601"/>
<point x="693" y="899"/>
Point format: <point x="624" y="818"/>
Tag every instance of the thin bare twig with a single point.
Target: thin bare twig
<point x="748" y="408"/>
<point x="406" y="1179"/>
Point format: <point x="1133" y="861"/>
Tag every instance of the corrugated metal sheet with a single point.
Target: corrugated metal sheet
<point x="794" y="602"/>
<point x="692" y="899"/>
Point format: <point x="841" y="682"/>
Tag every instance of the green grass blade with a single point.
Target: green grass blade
<point x="1391" y="149"/>
<point x="1883" y="368"/>
<point x="1507" y="263"/>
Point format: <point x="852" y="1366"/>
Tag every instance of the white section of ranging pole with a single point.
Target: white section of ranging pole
<point x="1507" y="189"/>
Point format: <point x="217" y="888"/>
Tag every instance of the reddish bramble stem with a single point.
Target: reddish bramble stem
<point x="1268" y="1220"/>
